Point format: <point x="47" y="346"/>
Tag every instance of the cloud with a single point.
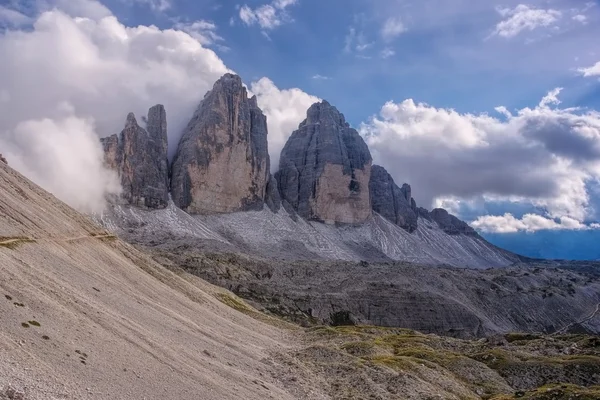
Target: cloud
<point x="580" y="18"/>
<point x="356" y="41"/>
<point x="285" y="109"/>
<point x="594" y="70"/>
<point x="507" y="223"/>
<point x="155" y="5"/>
<point x="12" y="17"/>
<point x="67" y="80"/>
<point x="78" y="8"/>
<point x="392" y="28"/>
<point x="203" y="31"/>
<point x="63" y="156"/>
<point x="320" y="77"/>
<point x="387" y="53"/>
<point x="524" y="18"/>
<point x="267" y="16"/>
<point x="545" y="156"/>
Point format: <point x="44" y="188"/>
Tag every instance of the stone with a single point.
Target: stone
<point x="2" y="159"/>
<point x="273" y="199"/>
<point x="390" y="201"/>
<point x="222" y="161"/>
<point x="325" y="168"/>
<point x="140" y="158"/>
<point x="451" y="224"/>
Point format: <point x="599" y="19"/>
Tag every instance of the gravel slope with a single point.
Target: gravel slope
<point x="84" y="315"/>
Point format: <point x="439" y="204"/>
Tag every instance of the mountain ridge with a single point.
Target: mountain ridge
<point x="326" y="176"/>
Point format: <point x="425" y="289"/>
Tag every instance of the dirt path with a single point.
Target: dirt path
<point x="583" y="321"/>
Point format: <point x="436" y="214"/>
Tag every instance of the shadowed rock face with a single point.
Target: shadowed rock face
<point x="450" y="224"/>
<point x="140" y="157"/>
<point x="2" y="159"/>
<point x="325" y="168"/>
<point x="222" y="162"/>
<point x="390" y="201"/>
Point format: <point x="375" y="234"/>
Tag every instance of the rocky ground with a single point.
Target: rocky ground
<point x="87" y="316"/>
<point x="377" y="363"/>
<point x="442" y="300"/>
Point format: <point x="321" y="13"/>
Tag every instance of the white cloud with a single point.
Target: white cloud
<point x="594" y="70"/>
<point x="12" y="17"/>
<point x="387" y="53"/>
<point x="78" y="8"/>
<point x="68" y="80"/>
<point x="356" y="41"/>
<point x="507" y="223"/>
<point x="392" y="28"/>
<point x="63" y="156"/>
<point x="580" y="18"/>
<point x="551" y="98"/>
<point x="319" y="77"/>
<point x="203" y="31"/>
<point x="285" y="109"/>
<point x="543" y="156"/>
<point x="524" y="18"/>
<point x="267" y="16"/>
<point x="155" y="5"/>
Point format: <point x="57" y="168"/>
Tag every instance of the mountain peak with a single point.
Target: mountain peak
<point x="222" y="162"/>
<point x="325" y="169"/>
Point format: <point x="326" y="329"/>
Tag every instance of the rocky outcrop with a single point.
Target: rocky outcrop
<point x="325" y="168"/>
<point x="222" y="162"/>
<point x="450" y="224"/>
<point x="390" y="201"/>
<point x="273" y="199"/>
<point x="2" y="159"/>
<point x="140" y="158"/>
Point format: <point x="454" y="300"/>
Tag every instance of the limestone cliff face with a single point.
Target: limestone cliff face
<point x="222" y="162"/>
<point x="390" y="201"/>
<point x="140" y="158"/>
<point x="325" y="168"/>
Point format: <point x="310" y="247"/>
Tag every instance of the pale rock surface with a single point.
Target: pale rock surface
<point x="222" y="162"/>
<point x="325" y="168"/>
<point x="140" y="158"/>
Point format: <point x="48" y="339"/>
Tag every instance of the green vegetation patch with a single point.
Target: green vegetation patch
<point x="556" y="392"/>
<point x="239" y="305"/>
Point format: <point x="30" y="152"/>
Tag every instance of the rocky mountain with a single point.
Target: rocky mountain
<point x="326" y="202"/>
<point x="140" y="157"/>
<point x="325" y="168"/>
<point x="2" y="159"/>
<point x="222" y="162"/>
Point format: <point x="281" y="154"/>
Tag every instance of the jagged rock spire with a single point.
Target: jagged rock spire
<point x="140" y="157"/>
<point x="325" y="168"/>
<point x="222" y="161"/>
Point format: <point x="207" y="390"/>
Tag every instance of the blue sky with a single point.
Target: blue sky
<point x="489" y="108"/>
<point x="442" y="58"/>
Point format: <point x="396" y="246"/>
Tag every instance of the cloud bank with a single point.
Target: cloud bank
<point x="545" y="155"/>
<point x="74" y="74"/>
